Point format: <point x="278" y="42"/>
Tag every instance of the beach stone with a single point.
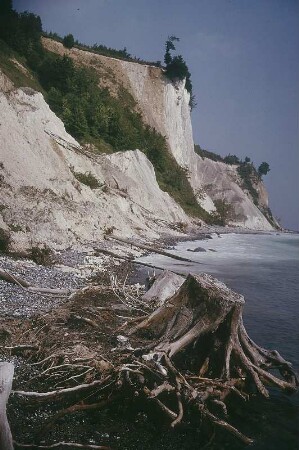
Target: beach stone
<point x="197" y="249"/>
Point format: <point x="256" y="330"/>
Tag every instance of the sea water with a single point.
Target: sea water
<point x="265" y="269"/>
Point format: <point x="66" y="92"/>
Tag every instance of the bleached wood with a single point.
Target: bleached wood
<point x="6" y="377"/>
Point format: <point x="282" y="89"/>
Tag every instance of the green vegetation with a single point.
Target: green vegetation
<point x="4" y="241"/>
<point x="263" y="169"/>
<point x="268" y="213"/>
<point x="15" y="68"/>
<point x="68" y="41"/>
<point x="249" y="176"/>
<point x="224" y="212"/>
<point x="88" y="179"/>
<point x="104" y="51"/>
<point x="15" y="227"/>
<point x="247" y="172"/>
<point x="231" y="159"/>
<point x="90" y="113"/>
<point x="176" y="67"/>
<point x="42" y="255"/>
<point x="207" y="154"/>
<point x="21" y="31"/>
<point x="173" y="179"/>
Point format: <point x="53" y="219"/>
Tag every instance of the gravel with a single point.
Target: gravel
<point x="18" y="302"/>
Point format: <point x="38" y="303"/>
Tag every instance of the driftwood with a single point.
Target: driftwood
<point x="186" y="358"/>
<point x="165" y="286"/>
<point x="10" y="278"/>
<point x="59" y="393"/>
<point x="70" y="445"/>
<point x="131" y="260"/>
<point x="6" y="377"/>
<point x="7" y="276"/>
<point x="151" y="249"/>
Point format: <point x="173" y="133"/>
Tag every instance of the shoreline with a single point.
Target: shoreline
<point x="125" y="428"/>
<point x="80" y="265"/>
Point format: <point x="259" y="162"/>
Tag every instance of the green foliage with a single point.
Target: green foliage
<point x="21" y="35"/>
<point x="42" y="255"/>
<point x="207" y="154"/>
<point x="263" y="169"/>
<point x="20" y="77"/>
<point x="249" y="175"/>
<point x="88" y="179"/>
<point x="20" y="31"/>
<point x="231" y="159"/>
<point x="5" y="7"/>
<point x="173" y="179"/>
<point x="169" y="45"/>
<point x="105" y="51"/>
<point x="247" y="159"/>
<point x="4" y="240"/>
<point x="91" y="114"/>
<point x="176" y="67"/>
<point x="15" y="227"/>
<point x="68" y="41"/>
<point x="268" y="213"/>
<point x="224" y="212"/>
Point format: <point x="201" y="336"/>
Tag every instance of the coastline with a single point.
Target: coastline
<point x="88" y="266"/>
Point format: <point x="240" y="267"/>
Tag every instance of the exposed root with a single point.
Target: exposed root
<point x="186" y="358"/>
<point x="62" y="444"/>
<point x="59" y="393"/>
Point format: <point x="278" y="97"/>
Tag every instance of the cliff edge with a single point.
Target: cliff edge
<point x="164" y="105"/>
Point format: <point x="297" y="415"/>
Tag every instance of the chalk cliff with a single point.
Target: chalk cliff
<point x="165" y="106"/>
<point x="42" y="199"/>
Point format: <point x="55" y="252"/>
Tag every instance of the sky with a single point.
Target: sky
<point x="243" y="56"/>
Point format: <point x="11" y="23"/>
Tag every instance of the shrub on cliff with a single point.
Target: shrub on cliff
<point x="68" y="41"/>
<point x="231" y="159"/>
<point x="207" y="154"/>
<point x="263" y="169"/>
<point x="249" y="176"/>
<point x="4" y="240"/>
<point x="224" y="212"/>
<point x="176" y="68"/>
<point x="88" y="179"/>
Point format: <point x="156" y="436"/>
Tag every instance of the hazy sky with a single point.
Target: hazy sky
<point x="244" y="60"/>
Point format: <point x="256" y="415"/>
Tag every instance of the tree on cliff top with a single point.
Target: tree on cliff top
<point x="169" y="45"/>
<point x="68" y="41"/>
<point x="176" y="67"/>
<point x="263" y="169"/>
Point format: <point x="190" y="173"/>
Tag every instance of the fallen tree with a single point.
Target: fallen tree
<point x="185" y="358"/>
<point x="149" y="248"/>
<point x="11" y="278"/>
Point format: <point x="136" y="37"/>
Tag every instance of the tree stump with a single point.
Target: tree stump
<point x="202" y="325"/>
<point x="6" y="377"/>
<point x="181" y="361"/>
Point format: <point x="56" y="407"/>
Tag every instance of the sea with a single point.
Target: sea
<point x="265" y="269"/>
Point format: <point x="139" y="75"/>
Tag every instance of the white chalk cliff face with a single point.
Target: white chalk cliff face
<point x="42" y="201"/>
<point x="165" y="106"/>
<point x="169" y="113"/>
